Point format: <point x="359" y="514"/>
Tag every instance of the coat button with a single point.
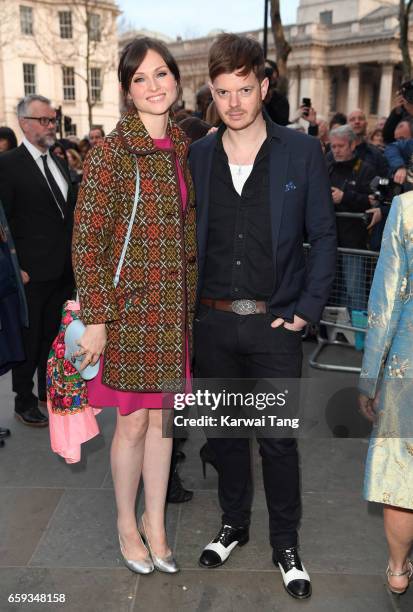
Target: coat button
<point x="191" y="259"/>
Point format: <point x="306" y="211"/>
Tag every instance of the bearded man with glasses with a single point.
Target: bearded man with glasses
<point x="38" y="199"/>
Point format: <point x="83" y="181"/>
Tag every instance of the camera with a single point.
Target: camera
<point x="384" y="189"/>
<point x="306" y="102"/>
<point x="406" y="90"/>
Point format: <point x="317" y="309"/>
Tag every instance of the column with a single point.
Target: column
<point x="293" y="89"/>
<point x="353" y="88"/>
<point x="386" y="86"/>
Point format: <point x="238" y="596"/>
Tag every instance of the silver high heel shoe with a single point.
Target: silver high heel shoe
<point x="139" y="566"/>
<point x="163" y="564"/>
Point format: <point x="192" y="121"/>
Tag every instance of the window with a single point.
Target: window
<point x="326" y="17"/>
<point x="94" y="27"/>
<point x="29" y="79"/>
<point x="96" y="84"/>
<point x="68" y="77"/>
<point x="26" y="20"/>
<point x="65" y="22"/>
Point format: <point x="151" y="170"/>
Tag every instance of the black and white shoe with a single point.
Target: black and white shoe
<point x="295" y="577"/>
<point x="218" y="551"/>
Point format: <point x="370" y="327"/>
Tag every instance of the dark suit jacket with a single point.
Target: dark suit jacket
<point x="301" y="206"/>
<point x="42" y="238"/>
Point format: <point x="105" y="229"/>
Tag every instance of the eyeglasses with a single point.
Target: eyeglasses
<point x="45" y="121"/>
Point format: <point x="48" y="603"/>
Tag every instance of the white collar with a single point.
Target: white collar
<point x="34" y="151"/>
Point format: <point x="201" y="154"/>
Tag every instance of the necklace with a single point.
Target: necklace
<point x="250" y="155"/>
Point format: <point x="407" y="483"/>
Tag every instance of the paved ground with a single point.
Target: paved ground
<point x="58" y="530"/>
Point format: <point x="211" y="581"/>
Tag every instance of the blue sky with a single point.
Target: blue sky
<point x="191" y="18"/>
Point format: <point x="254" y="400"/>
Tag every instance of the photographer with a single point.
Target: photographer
<point x="276" y="104"/>
<point x="403" y="110"/>
<point x="350" y="188"/>
<point x="350" y="179"/>
<point x="399" y="155"/>
<point x="316" y="127"/>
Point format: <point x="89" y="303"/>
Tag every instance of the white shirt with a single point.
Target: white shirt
<point x="54" y="169"/>
<point x="240" y="175"/>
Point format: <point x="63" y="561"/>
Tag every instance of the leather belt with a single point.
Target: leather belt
<point x="240" y="307"/>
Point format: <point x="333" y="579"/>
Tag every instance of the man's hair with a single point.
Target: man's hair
<point x="409" y="122"/>
<point x="236" y="53"/>
<point x="338" y="118"/>
<point x="343" y="131"/>
<point x="98" y="127"/>
<point x="24" y="103"/>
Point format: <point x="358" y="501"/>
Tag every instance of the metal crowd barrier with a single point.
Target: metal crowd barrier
<point x="346" y="311"/>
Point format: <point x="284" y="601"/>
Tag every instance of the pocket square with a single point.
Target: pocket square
<point x="290" y="186"/>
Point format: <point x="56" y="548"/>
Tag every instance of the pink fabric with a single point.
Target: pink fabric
<point x="69" y="431"/>
<point x="102" y="396"/>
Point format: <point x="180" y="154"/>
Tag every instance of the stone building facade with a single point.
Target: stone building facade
<point x="345" y="55"/>
<point x="45" y="47"/>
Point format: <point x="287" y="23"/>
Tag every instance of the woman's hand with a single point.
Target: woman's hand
<point x="92" y="344"/>
<point x="368" y="406"/>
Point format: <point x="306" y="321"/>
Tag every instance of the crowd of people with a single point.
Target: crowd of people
<point x="189" y="262"/>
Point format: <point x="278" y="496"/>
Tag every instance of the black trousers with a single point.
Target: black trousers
<point x="233" y="346"/>
<point x="44" y="301"/>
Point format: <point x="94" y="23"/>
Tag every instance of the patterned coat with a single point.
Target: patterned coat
<point x="388" y="362"/>
<point x="149" y="314"/>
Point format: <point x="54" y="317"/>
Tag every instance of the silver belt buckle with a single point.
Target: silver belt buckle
<point x="244" y="307"/>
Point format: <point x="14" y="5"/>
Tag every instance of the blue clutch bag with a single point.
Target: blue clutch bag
<point x="74" y="332"/>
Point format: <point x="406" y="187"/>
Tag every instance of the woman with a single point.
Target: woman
<point x="142" y="327"/>
<point x="8" y="139"/>
<point x="386" y="389"/>
<point x="13" y="306"/>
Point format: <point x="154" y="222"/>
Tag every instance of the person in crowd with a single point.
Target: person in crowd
<point x="13" y="307"/>
<point x="141" y="330"/>
<point x="380" y="123"/>
<point x="39" y="210"/>
<point x="203" y="100"/>
<point x="350" y="179"/>
<point x="84" y="147"/>
<point x="399" y="155"/>
<point x="181" y="115"/>
<point x="375" y="138"/>
<point x="8" y="139"/>
<point x="75" y="162"/>
<point x="365" y="151"/>
<point x="96" y="135"/>
<point x="212" y="117"/>
<point x="404" y="130"/>
<point x="276" y="103"/>
<point x="316" y="127"/>
<point x="245" y="323"/>
<point x="59" y="151"/>
<point x="194" y="128"/>
<point x="402" y="110"/>
<point x="386" y="391"/>
<point x="336" y="120"/>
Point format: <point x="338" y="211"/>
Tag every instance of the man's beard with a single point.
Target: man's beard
<point x="47" y="140"/>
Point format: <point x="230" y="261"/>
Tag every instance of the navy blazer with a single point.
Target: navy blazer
<point x="301" y="209"/>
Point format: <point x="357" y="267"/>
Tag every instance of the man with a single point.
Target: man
<point x="365" y="151"/>
<point x="259" y="187"/>
<point x="350" y="187"/>
<point x="404" y="130"/>
<point x="96" y="135"/>
<point x="276" y="104"/>
<point x="38" y="200"/>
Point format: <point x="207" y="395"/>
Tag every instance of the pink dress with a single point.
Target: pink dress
<point x="102" y="396"/>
